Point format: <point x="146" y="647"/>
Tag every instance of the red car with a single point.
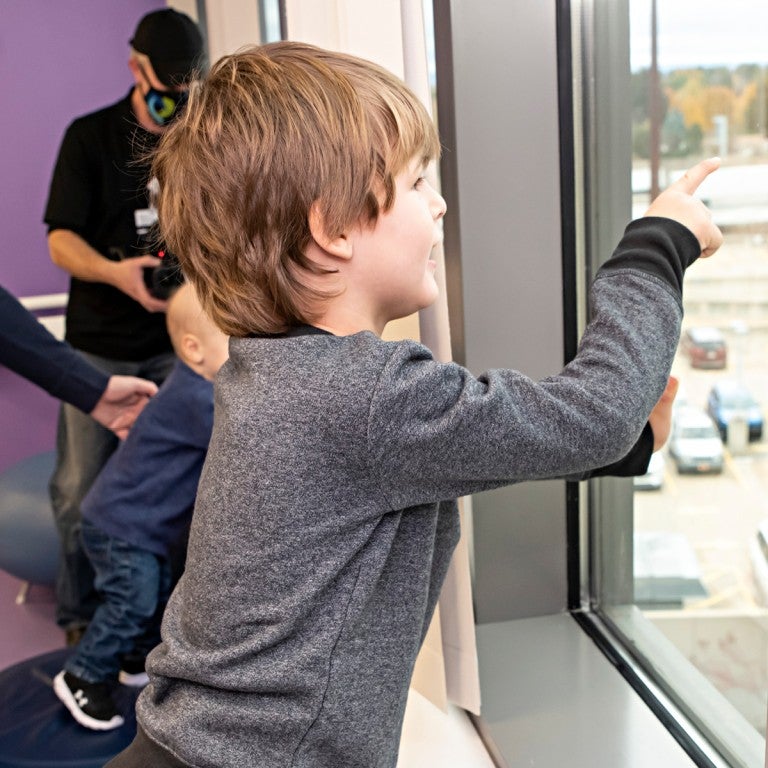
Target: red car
<point x="705" y="347"/>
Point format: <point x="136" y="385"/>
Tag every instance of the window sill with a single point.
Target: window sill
<point x="551" y="697"/>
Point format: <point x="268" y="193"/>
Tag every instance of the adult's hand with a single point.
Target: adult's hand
<point x="122" y="401"/>
<point x="128" y="276"/>
<point x="70" y="252"/>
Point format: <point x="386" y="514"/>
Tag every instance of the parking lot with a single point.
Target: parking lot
<point x="724" y="632"/>
<point x="719" y="514"/>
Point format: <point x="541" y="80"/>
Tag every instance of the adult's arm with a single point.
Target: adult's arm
<point x="29" y="349"/>
<point x="71" y="199"/>
<point x="73" y="254"/>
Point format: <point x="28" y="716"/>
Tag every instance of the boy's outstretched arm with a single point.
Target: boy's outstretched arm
<point x="661" y="415"/>
<point x="502" y="427"/>
<point x="677" y="202"/>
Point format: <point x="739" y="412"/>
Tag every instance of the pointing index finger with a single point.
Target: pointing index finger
<point x="689" y="182"/>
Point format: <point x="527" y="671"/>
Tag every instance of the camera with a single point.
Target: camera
<point x="162" y="280"/>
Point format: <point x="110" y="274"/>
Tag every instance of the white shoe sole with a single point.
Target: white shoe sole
<point x="65" y="695"/>
<point x="138" y="680"/>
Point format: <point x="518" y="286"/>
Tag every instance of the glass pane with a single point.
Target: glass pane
<point x="700" y="563"/>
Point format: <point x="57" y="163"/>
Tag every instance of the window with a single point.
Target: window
<point x="678" y="568"/>
<point x="270" y="21"/>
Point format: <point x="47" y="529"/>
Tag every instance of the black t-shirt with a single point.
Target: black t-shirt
<point x="99" y="191"/>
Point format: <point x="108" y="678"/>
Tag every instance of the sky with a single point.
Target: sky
<point x="700" y="32"/>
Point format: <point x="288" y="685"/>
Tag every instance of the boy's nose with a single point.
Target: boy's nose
<point x="438" y="206"/>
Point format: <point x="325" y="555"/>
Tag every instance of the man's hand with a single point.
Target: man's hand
<point x="128" y="276"/>
<point x="70" y="252"/>
<point x="122" y="401"/>
<point x="661" y="415"/>
<point x="677" y="202"/>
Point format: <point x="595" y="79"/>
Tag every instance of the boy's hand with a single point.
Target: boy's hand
<point x="661" y="415"/>
<point x="677" y="202"/>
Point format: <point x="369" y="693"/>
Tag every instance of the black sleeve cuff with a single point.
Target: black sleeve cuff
<point x="635" y="462"/>
<point x="662" y="247"/>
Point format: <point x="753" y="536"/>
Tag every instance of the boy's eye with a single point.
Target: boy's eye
<point x="419" y="181"/>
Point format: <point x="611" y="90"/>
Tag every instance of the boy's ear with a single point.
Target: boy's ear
<point x="339" y="246"/>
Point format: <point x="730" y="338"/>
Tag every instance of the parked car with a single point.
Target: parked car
<point x="729" y="398"/>
<point x="705" y="347"/>
<point x="695" y="444"/>
<point x="653" y="479"/>
<point x="758" y="556"/>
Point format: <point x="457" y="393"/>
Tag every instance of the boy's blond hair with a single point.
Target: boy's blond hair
<point x="271" y="131"/>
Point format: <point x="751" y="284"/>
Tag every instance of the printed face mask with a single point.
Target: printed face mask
<point x="163" y="106"/>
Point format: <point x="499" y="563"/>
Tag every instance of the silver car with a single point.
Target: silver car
<point x="695" y="444"/>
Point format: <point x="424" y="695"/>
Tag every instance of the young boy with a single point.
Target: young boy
<point x="324" y="523"/>
<point x="137" y="513"/>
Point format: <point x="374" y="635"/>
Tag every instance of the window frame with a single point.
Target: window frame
<point x="601" y="593"/>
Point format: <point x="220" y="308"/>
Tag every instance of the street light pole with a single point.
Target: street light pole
<point x="654" y="106"/>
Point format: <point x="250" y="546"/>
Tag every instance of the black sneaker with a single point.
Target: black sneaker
<point x="132" y="672"/>
<point x="89" y="703"/>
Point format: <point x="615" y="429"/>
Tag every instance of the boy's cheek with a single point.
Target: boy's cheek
<point x="433" y="293"/>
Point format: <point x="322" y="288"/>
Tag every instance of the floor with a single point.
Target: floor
<point x="430" y="736"/>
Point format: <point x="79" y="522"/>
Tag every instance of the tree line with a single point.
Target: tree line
<point x="690" y="99"/>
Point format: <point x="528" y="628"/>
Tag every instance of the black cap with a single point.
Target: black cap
<point x="173" y="43"/>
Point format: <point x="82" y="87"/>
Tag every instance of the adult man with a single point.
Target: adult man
<point x="99" y="216"/>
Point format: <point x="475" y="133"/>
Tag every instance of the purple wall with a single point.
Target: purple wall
<point x="59" y="59"/>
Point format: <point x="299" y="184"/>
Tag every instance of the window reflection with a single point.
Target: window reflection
<point x="701" y="568"/>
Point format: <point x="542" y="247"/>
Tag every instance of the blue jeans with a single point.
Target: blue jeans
<point x="83" y="447"/>
<point x="134" y="586"/>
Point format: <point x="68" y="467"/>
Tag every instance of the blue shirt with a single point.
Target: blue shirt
<point x="146" y="491"/>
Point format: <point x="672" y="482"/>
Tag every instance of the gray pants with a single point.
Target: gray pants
<point x="83" y="447"/>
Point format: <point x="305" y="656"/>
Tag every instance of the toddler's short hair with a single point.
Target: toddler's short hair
<point x="269" y="132"/>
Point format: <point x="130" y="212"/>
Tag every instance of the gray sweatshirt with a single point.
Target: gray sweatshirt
<point x="325" y="517"/>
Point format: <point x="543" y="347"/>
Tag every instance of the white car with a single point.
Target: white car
<point x="653" y="479"/>
<point x="695" y="444"/>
